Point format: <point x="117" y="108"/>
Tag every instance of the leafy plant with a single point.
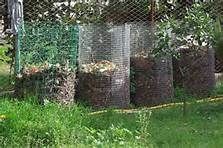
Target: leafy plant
<point x="47" y="42"/>
<point x="164" y="44"/>
<point x="144" y="122"/>
<point x="113" y="134"/>
<point x="195" y="29"/>
<point x="3" y="54"/>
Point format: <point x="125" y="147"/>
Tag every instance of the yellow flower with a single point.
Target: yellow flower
<point x="2" y="117"/>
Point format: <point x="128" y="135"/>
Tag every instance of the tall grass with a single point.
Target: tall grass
<point x="27" y="124"/>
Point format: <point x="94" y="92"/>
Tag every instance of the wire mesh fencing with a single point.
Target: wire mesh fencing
<point x="48" y="55"/>
<point x="142" y="47"/>
<point x="195" y="48"/>
<point x="104" y="65"/>
<point x="47" y="51"/>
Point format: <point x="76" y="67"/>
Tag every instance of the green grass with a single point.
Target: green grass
<point x="4" y="77"/>
<point x="28" y="124"/>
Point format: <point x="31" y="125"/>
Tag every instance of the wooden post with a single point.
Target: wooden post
<point x="152" y="11"/>
<point x="152" y="21"/>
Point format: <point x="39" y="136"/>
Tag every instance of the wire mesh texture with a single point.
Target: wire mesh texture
<point x="48" y="55"/>
<point x="115" y="37"/>
<point x="152" y="77"/>
<point x="104" y="65"/>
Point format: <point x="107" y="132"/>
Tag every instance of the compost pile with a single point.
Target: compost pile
<point x="99" y="85"/>
<point x="48" y="82"/>
<point x="103" y="67"/>
<point x="194" y="70"/>
<point x="152" y="80"/>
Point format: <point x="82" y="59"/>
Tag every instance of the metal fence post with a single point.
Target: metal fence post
<point x="15" y="11"/>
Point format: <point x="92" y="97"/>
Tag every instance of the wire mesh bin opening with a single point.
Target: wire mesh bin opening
<point x="48" y="54"/>
<point x="152" y="77"/>
<point x="104" y="65"/>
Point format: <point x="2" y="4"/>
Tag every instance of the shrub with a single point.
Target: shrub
<point x="4" y="57"/>
<point x="196" y="28"/>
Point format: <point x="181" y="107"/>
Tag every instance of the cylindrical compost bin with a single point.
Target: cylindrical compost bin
<point x="48" y="62"/>
<point x="104" y="65"/>
<point x="194" y="70"/>
<point x="151" y="77"/>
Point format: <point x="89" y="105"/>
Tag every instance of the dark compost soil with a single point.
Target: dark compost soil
<point x="57" y="85"/>
<point x="100" y="90"/>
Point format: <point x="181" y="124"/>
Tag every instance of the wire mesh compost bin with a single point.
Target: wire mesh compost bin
<point x="194" y="70"/>
<point x="48" y="61"/>
<point x="152" y="77"/>
<point x="104" y="65"/>
<point x="47" y="52"/>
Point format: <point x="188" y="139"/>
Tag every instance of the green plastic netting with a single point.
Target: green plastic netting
<point x="46" y="61"/>
<point x="48" y="43"/>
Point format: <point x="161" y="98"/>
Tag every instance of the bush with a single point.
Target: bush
<point x="4" y="57"/>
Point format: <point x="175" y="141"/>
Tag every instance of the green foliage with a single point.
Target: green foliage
<point x="196" y="28"/>
<point x="5" y="82"/>
<point x="62" y="11"/>
<point x="164" y="44"/>
<point x="26" y="124"/>
<point x="180" y="95"/>
<point x="144" y="122"/>
<point x="117" y="135"/>
<point x="4" y="58"/>
<point x="48" y="43"/>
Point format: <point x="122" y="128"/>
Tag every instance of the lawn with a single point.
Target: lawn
<point x="28" y="124"/>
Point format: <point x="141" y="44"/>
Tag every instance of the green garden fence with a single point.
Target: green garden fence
<point x="46" y="60"/>
<point x="48" y="43"/>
